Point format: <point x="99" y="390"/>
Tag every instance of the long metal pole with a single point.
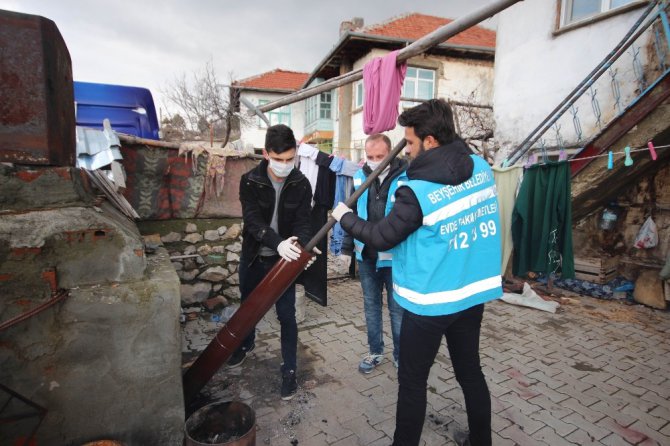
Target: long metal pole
<point x="417" y="47"/>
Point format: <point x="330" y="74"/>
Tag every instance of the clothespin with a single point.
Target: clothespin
<point x="562" y="154"/>
<point x="629" y="160"/>
<point x="610" y="160"/>
<point x="532" y="159"/>
<point x="505" y="163"/>
<point x="652" y="150"/>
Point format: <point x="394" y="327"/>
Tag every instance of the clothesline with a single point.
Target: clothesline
<point x="642" y="149"/>
<point x="627" y="151"/>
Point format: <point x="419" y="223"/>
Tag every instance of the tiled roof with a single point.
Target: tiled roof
<point x="277" y="79"/>
<point x="414" y="26"/>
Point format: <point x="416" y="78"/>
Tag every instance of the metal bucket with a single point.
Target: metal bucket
<point x="228" y="423"/>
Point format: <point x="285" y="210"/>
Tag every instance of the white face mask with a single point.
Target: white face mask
<point x="373" y="164"/>
<point x="281" y="169"/>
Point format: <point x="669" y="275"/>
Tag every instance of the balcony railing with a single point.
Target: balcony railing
<point x="635" y="66"/>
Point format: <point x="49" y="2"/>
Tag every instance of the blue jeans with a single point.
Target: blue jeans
<point x="250" y="277"/>
<point x="373" y="281"/>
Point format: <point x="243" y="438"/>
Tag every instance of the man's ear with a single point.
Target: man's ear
<point x="265" y="155"/>
<point x="430" y="142"/>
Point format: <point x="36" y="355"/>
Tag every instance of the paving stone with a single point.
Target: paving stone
<point x="550" y="419"/>
<point x="518" y="436"/>
<point x="593" y="430"/>
<point x="552" y="377"/>
<point x="630" y="434"/>
<point x="653" y="434"/>
<point x="583" y="438"/>
<point x="548" y="436"/>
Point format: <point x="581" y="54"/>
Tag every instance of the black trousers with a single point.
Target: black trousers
<point x="420" y="339"/>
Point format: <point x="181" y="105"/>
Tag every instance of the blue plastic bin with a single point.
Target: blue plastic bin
<point x="130" y="110"/>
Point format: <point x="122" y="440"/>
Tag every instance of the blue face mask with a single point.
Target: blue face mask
<point x="281" y="169"/>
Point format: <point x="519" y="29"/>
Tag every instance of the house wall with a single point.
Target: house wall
<point x="253" y="134"/>
<point x="456" y="79"/>
<point x="536" y="69"/>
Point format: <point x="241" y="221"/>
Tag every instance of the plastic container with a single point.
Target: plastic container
<point x="130" y="110"/>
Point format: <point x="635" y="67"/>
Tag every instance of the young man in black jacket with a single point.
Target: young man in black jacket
<point x="276" y="202"/>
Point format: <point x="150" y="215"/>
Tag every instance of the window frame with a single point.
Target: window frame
<point x="606" y="10"/>
<point x="411" y="101"/>
<point x="358" y="84"/>
<point x="329" y="104"/>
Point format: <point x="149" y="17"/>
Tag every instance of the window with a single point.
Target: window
<point x="281" y="115"/>
<point x="359" y="94"/>
<point x="419" y="84"/>
<point x="576" y="10"/>
<point x="325" y="110"/>
<point x="311" y="104"/>
<point x="318" y="107"/>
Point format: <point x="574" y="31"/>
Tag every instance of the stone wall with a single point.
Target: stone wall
<point x="206" y="255"/>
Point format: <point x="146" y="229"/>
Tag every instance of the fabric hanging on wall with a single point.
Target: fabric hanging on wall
<point x="342" y="191"/>
<point x="542" y="222"/>
<point x="307" y="156"/>
<point x="315" y="278"/>
<point x="382" y="82"/>
<point x="324" y="192"/>
<point x="508" y="180"/>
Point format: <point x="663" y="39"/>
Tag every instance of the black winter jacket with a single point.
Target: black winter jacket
<point x="376" y="205"/>
<point x="258" y="199"/>
<point x="449" y="164"/>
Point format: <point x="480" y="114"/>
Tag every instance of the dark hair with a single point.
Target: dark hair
<point x="431" y="118"/>
<point x="279" y="138"/>
<point x="378" y="136"/>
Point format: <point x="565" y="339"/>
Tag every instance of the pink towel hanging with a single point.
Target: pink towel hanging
<point x="382" y="82"/>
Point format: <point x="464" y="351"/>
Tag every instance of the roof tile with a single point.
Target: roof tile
<point x="277" y="79"/>
<point x="414" y="26"/>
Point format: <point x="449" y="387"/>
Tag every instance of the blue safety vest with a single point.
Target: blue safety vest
<point x="383" y="257"/>
<point x="452" y="262"/>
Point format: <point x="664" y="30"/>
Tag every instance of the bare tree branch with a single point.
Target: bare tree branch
<point x="204" y="103"/>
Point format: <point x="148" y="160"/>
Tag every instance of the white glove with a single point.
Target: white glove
<point x="312" y="259"/>
<point x="339" y="211"/>
<point x="343" y="262"/>
<point x="287" y="250"/>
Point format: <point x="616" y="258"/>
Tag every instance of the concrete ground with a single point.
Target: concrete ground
<point x="594" y="373"/>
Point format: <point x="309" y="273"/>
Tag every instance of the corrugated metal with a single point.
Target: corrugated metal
<point x="37" y="123"/>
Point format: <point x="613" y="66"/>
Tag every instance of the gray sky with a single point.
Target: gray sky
<point x="148" y="43"/>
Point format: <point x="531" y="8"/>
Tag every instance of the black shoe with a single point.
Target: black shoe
<point x="239" y="356"/>
<point x="289" y="385"/>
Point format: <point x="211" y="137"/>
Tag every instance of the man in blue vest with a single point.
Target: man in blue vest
<point x="375" y="266"/>
<point x="444" y="231"/>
